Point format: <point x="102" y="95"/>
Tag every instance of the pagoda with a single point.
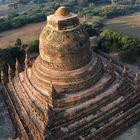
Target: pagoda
<point x="69" y="92"/>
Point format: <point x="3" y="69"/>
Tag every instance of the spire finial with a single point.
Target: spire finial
<point x="0" y="77"/>
<point x="123" y="74"/>
<point x="27" y="61"/>
<point x="110" y="60"/>
<point x="2" y="74"/>
<point x="135" y="82"/>
<point x="110" y="67"/>
<point x="17" y="66"/>
<point x="9" y="69"/>
<point x="10" y="72"/>
<point x="51" y="87"/>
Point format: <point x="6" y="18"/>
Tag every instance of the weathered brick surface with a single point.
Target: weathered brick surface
<point x="68" y="93"/>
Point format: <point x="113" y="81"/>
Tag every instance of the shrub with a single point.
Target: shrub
<point x="20" y="20"/>
<point x="9" y="55"/>
<point x="112" y="41"/>
<point x="33" y="46"/>
<point x="128" y="56"/>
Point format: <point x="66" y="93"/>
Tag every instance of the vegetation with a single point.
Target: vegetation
<point x="123" y="2"/>
<point x="109" y="11"/>
<point x="19" y="20"/>
<point x="23" y="1"/>
<point x="39" y="1"/>
<point x="92" y="29"/>
<point x="129" y="48"/>
<point x="35" y="1"/>
<point x="109" y="41"/>
<point x="33" y="46"/>
<point x="18" y="42"/>
<point x="8" y="56"/>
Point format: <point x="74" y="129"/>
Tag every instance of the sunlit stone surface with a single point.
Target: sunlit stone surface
<point x="69" y="92"/>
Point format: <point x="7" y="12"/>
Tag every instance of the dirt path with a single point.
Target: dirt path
<point x="26" y="33"/>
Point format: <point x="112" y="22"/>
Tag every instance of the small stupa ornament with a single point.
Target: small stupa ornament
<point x="123" y="74"/>
<point x="27" y="61"/>
<point x="110" y="67"/>
<point x="10" y="72"/>
<point x="17" y="66"/>
<point x="135" y="82"/>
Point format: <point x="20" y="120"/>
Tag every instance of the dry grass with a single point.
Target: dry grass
<point x="26" y="33"/>
<point x="127" y="25"/>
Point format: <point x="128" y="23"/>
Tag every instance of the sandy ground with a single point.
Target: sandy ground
<point x="26" y="33"/>
<point x="127" y="25"/>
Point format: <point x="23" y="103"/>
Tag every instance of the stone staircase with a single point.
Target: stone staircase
<point x="67" y="100"/>
<point x="15" y="111"/>
<point x="33" y="113"/>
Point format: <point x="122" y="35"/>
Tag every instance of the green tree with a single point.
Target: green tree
<point x="18" y="42"/>
<point x="90" y="29"/>
<point x="33" y="46"/>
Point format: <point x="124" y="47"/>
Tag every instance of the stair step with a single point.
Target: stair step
<point x="94" y="118"/>
<point x="115" y="123"/>
<point x="73" y="99"/>
<point x="27" y="117"/>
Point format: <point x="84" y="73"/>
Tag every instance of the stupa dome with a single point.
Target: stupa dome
<point x="66" y="49"/>
<point x="64" y="52"/>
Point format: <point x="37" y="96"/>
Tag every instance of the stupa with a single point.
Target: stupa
<point x="69" y="92"/>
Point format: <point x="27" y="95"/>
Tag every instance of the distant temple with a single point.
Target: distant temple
<point x="69" y="92"/>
